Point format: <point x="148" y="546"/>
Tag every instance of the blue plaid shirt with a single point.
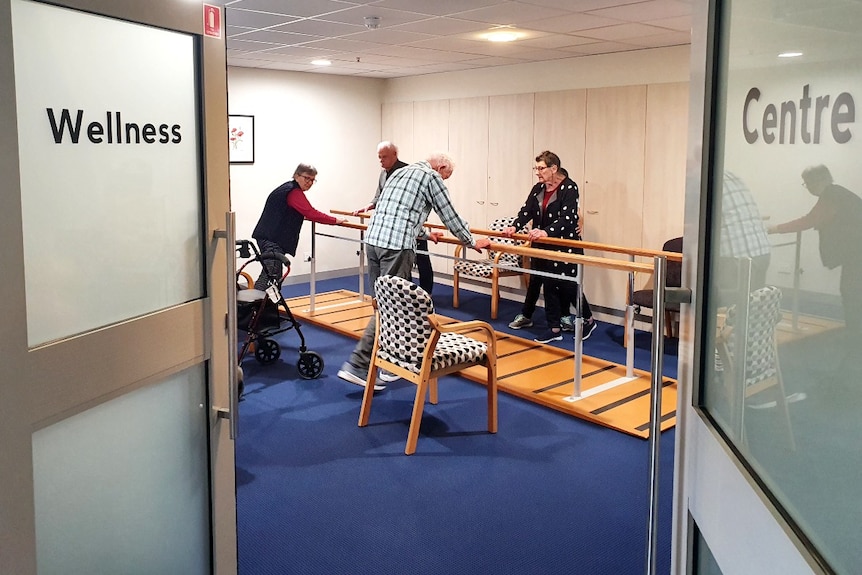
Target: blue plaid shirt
<point x="407" y="198"/>
<point x="742" y="231"/>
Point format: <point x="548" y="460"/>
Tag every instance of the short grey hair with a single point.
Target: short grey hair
<point x="305" y="170"/>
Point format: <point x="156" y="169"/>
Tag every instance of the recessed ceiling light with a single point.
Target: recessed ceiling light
<point x="501" y="35"/>
<point x="790" y="54"/>
<point x="321" y="62"/>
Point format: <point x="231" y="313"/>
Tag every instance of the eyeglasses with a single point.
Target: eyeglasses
<point x="308" y="179"/>
<point x="540" y="168"/>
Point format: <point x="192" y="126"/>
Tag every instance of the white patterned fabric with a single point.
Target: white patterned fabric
<point x="404" y="330"/>
<point x="481" y="268"/>
<point x="764" y="313"/>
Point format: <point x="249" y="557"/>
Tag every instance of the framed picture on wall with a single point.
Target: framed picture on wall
<point x="241" y="139"/>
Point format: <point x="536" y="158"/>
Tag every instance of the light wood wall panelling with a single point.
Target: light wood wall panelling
<point x="431" y="134"/>
<point x="664" y="171"/>
<point x="560" y="125"/>
<point x="397" y="127"/>
<point x="510" y="158"/>
<point x="468" y="144"/>
<point x="510" y="153"/>
<point x="613" y="194"/>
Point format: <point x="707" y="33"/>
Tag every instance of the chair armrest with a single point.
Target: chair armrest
<point x="458" y="249"/>
<point x="465" y="326"/>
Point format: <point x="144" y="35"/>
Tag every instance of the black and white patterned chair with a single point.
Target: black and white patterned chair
<point x="412" y="343"/>
<point x="493" y="266"/>
<point x="760" y="371"/>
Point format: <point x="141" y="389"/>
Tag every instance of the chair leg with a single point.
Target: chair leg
<point x="432" y="390"/>
<point x="492" y="398"/>
<point x="495" y="296"/>
<point x="416" y="418"/>
<point x="365" y="410"/>
<point x="455" y="288"/>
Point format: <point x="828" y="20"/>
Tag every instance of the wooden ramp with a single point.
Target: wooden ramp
<point x="540" y="373"/>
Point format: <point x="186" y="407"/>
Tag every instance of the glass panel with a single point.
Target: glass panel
<point x="784" y="311"/>
<point x="129" y="502"/>
<point x="109" y="158"/>
<point x="704" y="561"/>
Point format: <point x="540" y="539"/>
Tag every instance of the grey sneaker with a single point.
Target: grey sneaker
<point x="354" y="375"/>
<point x="567" y="323"/>
<point x="521" y="321"/>
<point x="387" y="376"/>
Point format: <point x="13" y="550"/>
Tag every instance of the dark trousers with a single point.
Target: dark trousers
<point x="560" y="292"/>
<point x="272" y="268"/>
<point x="423" y="263"/>
<point x="381" y="262"/>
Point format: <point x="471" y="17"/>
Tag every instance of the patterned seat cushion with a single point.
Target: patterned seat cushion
<point x="483" y="268"/>
<point x="403" y="308"/>
<point x="764" y="313"/>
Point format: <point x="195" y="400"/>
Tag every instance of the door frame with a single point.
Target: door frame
<point x="189" y="334"/>
<point x="716" y="498"/>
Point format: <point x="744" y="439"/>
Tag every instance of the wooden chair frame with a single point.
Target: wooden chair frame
<point x="497" y="272"/>
<point x="426" y="379"/>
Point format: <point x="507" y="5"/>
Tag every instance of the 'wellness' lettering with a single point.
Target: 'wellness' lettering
<point x="112" y="131"/>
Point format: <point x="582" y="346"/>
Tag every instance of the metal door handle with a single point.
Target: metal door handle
<point x="232" y="411"/>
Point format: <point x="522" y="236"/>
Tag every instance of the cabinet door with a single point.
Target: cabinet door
<point x="613" y="191"/>
<point x="560" y="126"/>
<point x="468" y="145"/>
<point x="431" y="134"/>
<point x="397" y="127"/>
<point x="510" y="154"/>
<point x="664" y="170"/>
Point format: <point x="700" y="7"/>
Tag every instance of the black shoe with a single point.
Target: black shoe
<point x="550" y="336"/>
<point x="589" y="328"/>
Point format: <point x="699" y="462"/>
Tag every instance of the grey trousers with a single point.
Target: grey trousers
<point x="381" y="262"/>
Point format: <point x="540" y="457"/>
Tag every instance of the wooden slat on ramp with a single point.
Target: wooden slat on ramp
<point x="540" y="373"/>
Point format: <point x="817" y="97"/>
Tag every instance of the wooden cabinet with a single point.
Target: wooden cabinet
<point x="664" y="169"/>
<point x="431" y="134"/>
<point x="624" y="146"/>
<point x="559" y="125"/>
<point x="612" y="194"/>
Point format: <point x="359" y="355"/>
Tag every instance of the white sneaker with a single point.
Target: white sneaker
<point x="352" y="374"/>
<point x="387" y="376"/>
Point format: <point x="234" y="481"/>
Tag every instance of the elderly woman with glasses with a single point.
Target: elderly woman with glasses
<point x="552" y="207"/>
<point x="279" y="225"/>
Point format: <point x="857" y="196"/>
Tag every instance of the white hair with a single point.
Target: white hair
<point x="440" y="160"/>
<point x="386" y="145"/>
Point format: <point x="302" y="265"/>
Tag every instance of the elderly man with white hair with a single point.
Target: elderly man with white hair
<point x="407" y="198"/>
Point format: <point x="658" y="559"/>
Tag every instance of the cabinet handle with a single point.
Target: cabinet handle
<point x="495" y="203"/>
<point x="480" y="202"/>
<point x="592" y="211"/>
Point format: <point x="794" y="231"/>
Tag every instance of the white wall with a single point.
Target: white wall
<point x="332" y="122"/>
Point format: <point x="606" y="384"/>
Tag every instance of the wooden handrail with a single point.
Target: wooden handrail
<point x="607" y="263"/>
<point x="593" y="246"/>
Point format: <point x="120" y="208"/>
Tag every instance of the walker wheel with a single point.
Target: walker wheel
<point x="310" y="365"/>
<point x="267" y="351"/>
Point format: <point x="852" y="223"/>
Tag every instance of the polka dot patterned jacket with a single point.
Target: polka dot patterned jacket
<point x="559" y="220"/>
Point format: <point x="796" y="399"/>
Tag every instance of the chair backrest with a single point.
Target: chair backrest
<point x="404" y="331"/>
<point x="674" y="269"/>
<point x="764" y="313"/>
<point x="499" y="225"/>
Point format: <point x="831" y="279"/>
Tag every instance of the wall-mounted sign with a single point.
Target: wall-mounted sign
<point x="212" y="21"/>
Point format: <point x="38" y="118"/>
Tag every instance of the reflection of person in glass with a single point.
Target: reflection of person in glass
<point x="742" y="237"/>
<point x="837" y="216"/>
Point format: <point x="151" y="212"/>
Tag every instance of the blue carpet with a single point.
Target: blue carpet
<point x="547" y="494"/>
